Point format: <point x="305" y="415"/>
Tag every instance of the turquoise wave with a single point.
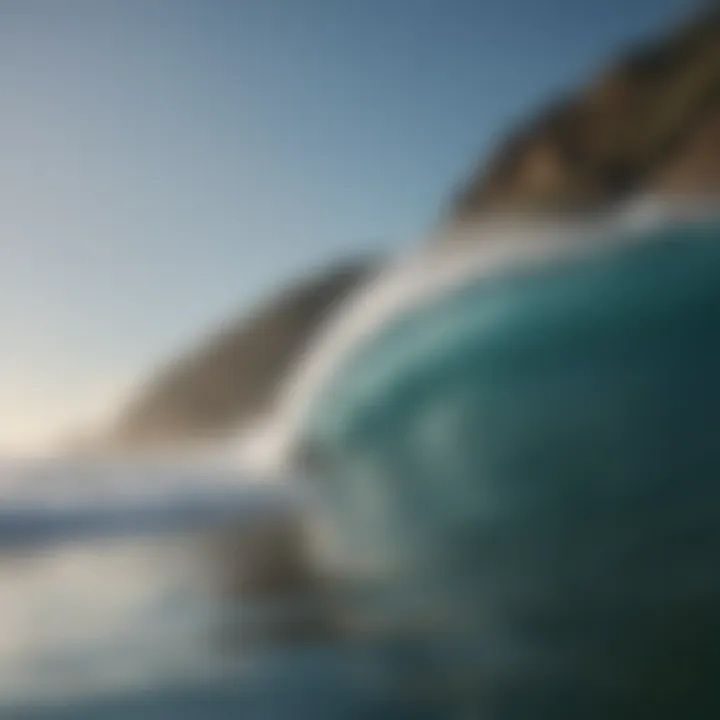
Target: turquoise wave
<point x="547" y="441"/>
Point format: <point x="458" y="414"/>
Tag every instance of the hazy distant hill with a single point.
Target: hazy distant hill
<point x="232" y="376"/>
<point x="651" y="122"/>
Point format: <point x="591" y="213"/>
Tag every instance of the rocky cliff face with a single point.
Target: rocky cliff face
<point x="650" y="122"/>
<point x="695" y="169"/>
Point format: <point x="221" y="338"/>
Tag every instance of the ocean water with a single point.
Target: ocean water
<point x="511" y="482"/>
<point x="543" y="439"/>
<point x="112" y="604"/>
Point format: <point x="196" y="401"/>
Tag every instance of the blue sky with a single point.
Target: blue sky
<point x="165" y="163"/>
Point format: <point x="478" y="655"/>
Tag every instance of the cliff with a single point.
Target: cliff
<point x="651" y="122"/>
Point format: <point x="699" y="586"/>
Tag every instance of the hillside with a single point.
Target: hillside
<point x="233" y="375"/>
<point x="649" y="122"/>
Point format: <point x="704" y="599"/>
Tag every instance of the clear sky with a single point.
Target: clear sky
<point x="164" y="163"/>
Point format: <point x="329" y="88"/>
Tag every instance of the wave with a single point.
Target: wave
<point x="444" y="262"/>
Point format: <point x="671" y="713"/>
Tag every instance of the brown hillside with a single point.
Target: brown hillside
<point x="649" y="122"/>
